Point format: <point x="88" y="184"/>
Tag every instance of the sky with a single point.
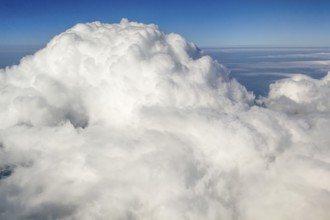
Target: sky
<point x="207" y="23"/>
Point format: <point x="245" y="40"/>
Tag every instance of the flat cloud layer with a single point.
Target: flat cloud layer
<point x="121" y="121"/>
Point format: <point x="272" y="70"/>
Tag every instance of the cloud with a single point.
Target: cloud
<point x="121" y="121"/>
<point x="307" y="55"/>
<point x="291" y="66"/>
<point x="300" y="94"/>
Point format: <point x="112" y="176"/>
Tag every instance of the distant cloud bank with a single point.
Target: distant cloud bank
<point x="121" y="121"/>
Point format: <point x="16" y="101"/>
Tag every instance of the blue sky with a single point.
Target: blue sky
<point x="205" y="22"/>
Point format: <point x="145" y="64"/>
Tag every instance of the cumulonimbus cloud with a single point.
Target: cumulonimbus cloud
<point x="121" y="121"/>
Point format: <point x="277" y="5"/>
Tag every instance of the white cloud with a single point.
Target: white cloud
<point x="307" y="55"/>
<point x="120" y="121"/>
<point x="300" y="94"/>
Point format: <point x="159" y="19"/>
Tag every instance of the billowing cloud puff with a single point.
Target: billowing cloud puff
<point x="104" y="73"/>
<point x="121" y="121"/>
<point x="300" y="93"/>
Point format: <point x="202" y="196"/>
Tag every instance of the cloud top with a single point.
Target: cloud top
<point x="93" y="71"/>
